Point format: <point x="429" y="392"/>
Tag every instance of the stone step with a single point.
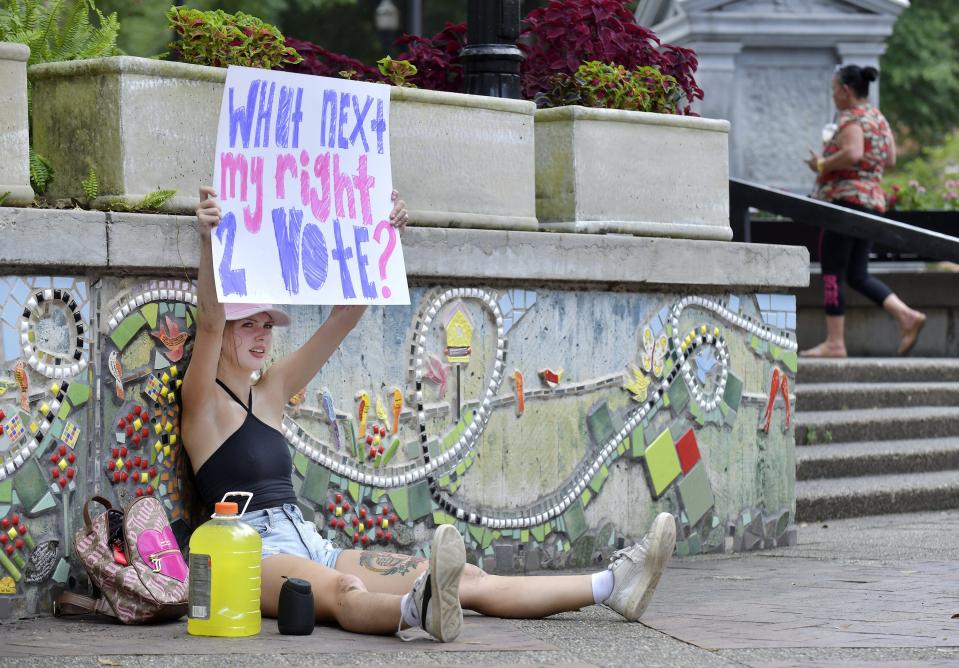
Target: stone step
<point x="839" y="460"/>
<point x="876" y="424"/>
<point x="878" y="370"/>
<point x="845" y="396"/>
<point x="836" y="498"/>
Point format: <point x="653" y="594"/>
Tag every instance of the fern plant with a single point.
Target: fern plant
<point x="91" y="185"/>
<point x="41" y="172"/>
<point x="58" y="30"/>
<point x="3" y="197"/>
<point x="151" y="202"/>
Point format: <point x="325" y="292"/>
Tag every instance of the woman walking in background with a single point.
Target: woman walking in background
<point x="849" y="173"/>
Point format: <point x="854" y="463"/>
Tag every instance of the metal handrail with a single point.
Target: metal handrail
<point x="885" y="231"/>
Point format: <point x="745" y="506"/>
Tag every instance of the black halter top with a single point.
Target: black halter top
<point x="255" y="458"/>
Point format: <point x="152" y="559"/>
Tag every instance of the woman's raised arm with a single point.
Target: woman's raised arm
<point x="200" y="378"/>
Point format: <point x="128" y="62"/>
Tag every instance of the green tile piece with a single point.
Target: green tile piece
<point x="189" y="319"/>
<point x="476" y="532"/>
<point x="30" y="484"/>
<point x="539" y="533"/>
<point x="444" y="481"/>
<point x="316" y="484"/>
<point x="698" y="413"/>
<point x="354" y="489"/>
<point x="695" y="544"/>
<point x="439" y="517"/>
<point x="300" y="462"/>
<point x="791" y="361"/>
<point x="400" y="502"/>
<point x="596" y="483"/>
<point x="662" y="463"/>
<point x="600" y="423"/>
<point x="44" y="504"/>
<point x="149" y="312"/>
<point x="377" y="494"/>
<point x="775" y="351"/>
<point x="64" y="411"/>
<point x="421" y="504"/>
<point x="678" y="395"/>
<point x="575" y="521"/>
<point x="734" y="391"/>
<point x="696" y="493"/>
<point x="665" y="399"/>
<point x="524" y="535"/>
<point x="127" y="329"/>
<point x="62" y="572"/>
<point x="586" y="497"/>
<point x="179" y="310"/>
<point x="78" y="394"/>
<point x="56" y="429"/>
<point x="637" y="443"/>
<point x="390" y="452"/>
<point x="460" y="468"/>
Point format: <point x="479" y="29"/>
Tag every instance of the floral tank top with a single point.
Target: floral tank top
<point x="859" y="184"/>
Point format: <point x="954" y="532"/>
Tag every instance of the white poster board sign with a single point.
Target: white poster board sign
<point x="303" y="177"/>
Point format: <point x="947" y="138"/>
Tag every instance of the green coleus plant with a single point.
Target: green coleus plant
<point x="219" y="39"/>
<point x="598" y="84"/>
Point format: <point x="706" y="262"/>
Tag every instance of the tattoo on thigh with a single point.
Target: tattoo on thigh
<point x="386" y="563"/>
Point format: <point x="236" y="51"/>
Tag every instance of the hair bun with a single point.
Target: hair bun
<point x="870" y="73"/>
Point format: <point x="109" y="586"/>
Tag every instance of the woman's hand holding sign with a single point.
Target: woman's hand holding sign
<point x="208" y="212"/>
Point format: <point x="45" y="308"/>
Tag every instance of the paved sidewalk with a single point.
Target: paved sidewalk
<point x="877" y="591"/>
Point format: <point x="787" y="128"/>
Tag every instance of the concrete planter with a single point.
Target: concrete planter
<point x="14" y="125"/>
<point x="628" y="172"/>
<point x="109" y="113"/>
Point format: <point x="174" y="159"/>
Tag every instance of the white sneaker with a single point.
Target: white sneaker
<point x="637" y="569"/>
<point x="435" y="593"/>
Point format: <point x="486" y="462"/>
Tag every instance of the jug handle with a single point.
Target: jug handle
<point x="248" y="495"/>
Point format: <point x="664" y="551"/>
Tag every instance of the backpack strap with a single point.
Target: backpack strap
<point x="86" y="511"/>
<point x="68" y="603"/>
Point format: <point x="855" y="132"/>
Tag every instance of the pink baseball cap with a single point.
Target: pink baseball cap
<point x="240" y="311"/>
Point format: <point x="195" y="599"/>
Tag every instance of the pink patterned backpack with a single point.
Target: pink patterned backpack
<point x="134" y="560"/>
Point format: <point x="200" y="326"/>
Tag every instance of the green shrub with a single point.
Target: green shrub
<point x="219" y="39"/>
<point x="928" y="181"/>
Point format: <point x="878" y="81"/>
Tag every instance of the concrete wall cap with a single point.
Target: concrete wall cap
<point x="576" y="112"/>
<point x="14" y="51"/>
<point x="127" y="65"/>
<point x="399" y="94"/>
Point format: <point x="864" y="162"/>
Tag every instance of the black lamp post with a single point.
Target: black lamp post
<point x="491" y="57"/>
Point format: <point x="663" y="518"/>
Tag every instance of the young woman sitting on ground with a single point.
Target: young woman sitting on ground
<point x="230" y="431"/>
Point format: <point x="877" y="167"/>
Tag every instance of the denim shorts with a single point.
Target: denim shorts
<point x="284" y="531"/>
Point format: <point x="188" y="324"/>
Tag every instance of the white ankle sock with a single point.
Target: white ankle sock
<point x="602" y="585"/>
<point x="409" y="615"/>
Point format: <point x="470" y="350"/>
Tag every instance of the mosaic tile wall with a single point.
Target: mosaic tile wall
<point x="549" y="426"/>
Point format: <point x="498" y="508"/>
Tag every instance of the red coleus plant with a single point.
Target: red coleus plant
<point x="325" y="63"/>
<point x="561" y="36"/>
<point x="437" y="58"/>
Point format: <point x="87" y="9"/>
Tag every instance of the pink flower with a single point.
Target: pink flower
<point x="950" y="195"/>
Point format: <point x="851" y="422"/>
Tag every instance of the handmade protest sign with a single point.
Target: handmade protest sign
<point x="303" y="176"/>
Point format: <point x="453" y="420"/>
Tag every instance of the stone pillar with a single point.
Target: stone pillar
<point x="14" y="126"/>
<point x="491" y="57"/>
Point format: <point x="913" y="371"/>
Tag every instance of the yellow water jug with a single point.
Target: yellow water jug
<point x="225" y="575"/>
